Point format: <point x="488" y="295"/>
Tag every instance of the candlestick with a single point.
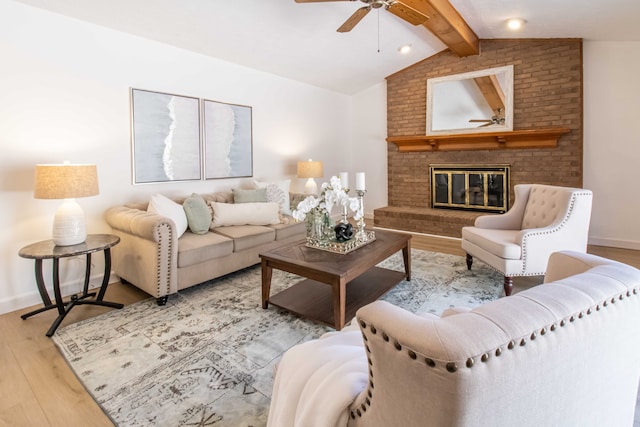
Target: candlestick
<point x="344" y="219"/>
<point x="344" y="181"/>
<point x="360" y="233"/>
<point x="360" y="181"/>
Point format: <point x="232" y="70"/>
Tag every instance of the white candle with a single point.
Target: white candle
<point x="360" y="181"/>
<point x="344" y="179"/>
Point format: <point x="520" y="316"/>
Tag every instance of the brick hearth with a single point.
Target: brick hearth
<point x="547" y="93"/>
<point x="441" y="222"/>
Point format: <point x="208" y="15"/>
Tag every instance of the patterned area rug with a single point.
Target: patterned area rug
<point x="207" y="357"/>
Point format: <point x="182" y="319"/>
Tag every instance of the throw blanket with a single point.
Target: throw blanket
<point x="317" y="391"/>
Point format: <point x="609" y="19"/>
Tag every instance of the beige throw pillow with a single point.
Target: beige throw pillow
<point x="225" y="214"/>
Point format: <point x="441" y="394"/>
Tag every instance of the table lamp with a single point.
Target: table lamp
<point x="67" y="181"/>
<point x="310" y="169"/>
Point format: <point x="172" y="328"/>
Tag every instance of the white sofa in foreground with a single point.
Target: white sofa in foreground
<point x="564" y="353"/>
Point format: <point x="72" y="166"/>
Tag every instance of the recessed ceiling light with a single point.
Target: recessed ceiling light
<point x="515" y="23"/>
<point x="404" y="49"/>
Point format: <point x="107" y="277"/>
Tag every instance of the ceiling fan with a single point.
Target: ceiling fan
<point x="398" y="8"/>
<point x="498" y="119"/>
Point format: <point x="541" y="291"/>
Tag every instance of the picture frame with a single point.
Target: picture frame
<point x="227" y="140"/>
<point x="166" y="137"/>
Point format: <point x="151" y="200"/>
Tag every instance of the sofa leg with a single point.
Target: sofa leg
<point x="162" y="300"/>
<point x="469" y="261"/>
<point x="508" y="285"/>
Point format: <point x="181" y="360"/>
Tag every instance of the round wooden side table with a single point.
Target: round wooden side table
<point x="46" y="249"/>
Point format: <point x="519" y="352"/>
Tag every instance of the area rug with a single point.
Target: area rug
<point x="208" y="356"/>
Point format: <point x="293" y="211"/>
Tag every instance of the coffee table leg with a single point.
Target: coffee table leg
<point x="266" y="283"/>
<point x="406" y="255"/>
<point x="339" y="303"/>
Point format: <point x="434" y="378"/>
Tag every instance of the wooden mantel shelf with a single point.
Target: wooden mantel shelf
<point x="517" y="139"/>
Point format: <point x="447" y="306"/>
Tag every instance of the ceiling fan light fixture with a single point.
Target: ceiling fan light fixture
<point x="515" y="23"/>
<point x="404" y="49"/>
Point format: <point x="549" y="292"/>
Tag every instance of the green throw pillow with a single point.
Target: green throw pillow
<point x="198" y="214"/>
<point x="249" y="196"/>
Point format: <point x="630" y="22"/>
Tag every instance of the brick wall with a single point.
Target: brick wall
<point x="547" y="93"/>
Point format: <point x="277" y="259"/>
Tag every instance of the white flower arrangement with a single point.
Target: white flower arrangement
<point x="331" y="194"/>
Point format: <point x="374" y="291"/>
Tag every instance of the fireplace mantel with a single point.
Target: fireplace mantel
<point x="517" y="139"/>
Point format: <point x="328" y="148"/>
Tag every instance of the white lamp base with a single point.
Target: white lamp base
<point x="310" y="187"/>
<point x="69" y="226"/>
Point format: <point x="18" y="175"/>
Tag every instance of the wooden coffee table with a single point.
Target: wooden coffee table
<point x="353" y="278"/>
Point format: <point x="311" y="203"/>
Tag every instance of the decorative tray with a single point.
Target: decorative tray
<point x="341" y="247"/>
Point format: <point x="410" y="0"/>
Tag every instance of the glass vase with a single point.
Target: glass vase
<point x="320" y="227"/>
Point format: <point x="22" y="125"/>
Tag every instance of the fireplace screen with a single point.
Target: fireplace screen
<point x="470" y="187"/>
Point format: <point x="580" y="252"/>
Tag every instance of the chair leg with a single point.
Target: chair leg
<point x="508" y="285"/>
<point x="469" y="261"/>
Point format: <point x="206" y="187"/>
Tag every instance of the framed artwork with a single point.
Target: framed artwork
<point x="228" y="140"/>
<point x="165" y="134"/>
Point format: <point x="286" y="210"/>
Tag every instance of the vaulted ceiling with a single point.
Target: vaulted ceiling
<point x="299" y="41"/>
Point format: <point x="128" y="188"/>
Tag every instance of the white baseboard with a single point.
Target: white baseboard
<point x="614" y="243"/>
<point x="29" y="299"/>
<point x="597" y="241"/>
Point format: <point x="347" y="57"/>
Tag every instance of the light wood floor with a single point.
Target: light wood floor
<point x="37" y="388"/>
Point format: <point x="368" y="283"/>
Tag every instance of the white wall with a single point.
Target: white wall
<point x="612" y="141"/>
<point x="64" y="95"/>
<point x="369" y="149"/>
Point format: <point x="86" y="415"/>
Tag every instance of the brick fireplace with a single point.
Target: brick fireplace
<point x="547" y="93"/>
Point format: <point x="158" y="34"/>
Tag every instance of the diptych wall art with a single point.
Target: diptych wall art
<point x="166" y="137"/>
<point x="179" y="138"/>
<point x="227" y="140"/>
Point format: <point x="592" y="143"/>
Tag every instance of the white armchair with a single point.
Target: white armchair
<point x="544" y="219"/>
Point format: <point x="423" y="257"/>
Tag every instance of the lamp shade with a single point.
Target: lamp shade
<point x="65" y="181"/>
<point x="310" y="169"/>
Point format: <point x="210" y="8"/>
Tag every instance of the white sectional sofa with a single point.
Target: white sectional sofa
<point x="564" y="353"/>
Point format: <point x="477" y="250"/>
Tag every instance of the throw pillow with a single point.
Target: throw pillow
<point x="224" y="214"/>
<point x="164" y="206"/>
<point x="249" y="196"/>
<point x="277" y="192"/>
<point x="198" y="214"/>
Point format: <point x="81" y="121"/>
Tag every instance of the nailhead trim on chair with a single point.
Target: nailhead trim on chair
<point x="452" y="367"/>
<point x="562" y="223"/>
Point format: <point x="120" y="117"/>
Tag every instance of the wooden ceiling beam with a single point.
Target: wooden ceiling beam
<point x="446" y="23"/>
<point x="492" y="92"/>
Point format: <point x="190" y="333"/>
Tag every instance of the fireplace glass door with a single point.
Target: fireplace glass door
<point x="480" y="188"/>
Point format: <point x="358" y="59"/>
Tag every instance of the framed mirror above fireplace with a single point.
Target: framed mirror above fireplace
<point x="473" y="102"/>
<point x="483" y="188"/>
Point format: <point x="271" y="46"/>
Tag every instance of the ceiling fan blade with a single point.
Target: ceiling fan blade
<point x="407" y="13"/>
<point x="480" y="120"/>
<point x="354" y="19"/>
<point x="485" y="125"/>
